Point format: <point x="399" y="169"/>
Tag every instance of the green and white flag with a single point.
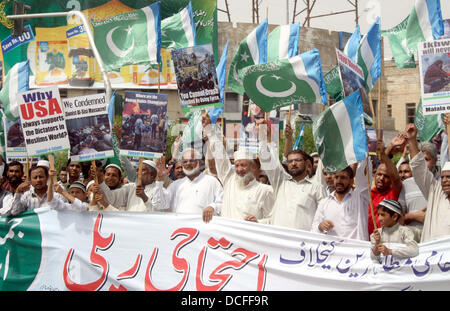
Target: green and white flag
<point x="16" y="81"/>
<point x="178" y="31"/>
<point x="333" y="84"/>
<point x="129" y="38"/>
<point x="340" y="135"/>
<point x="368" y="56"/>
<point x="296" y="80"/>
<point x="282" y="42"/>
<point x="404" y="58"/>
<point x="424" y="23"/>
<point x="251" y="51"/>
<point x="427" y="125"/>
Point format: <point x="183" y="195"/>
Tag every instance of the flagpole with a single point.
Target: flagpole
<point x="370" y="194"/>
<point x="51" y="162"/>
<point x="28" y="167"/>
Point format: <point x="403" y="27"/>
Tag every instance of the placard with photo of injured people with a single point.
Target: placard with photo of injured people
<point x="43" y="123"/>
<point x="89" y="127"/>
<point x="144" y="125"/>
<point x="197" y="83"/>
<point x="434" y="64"/>
<point x="14" y="140"/>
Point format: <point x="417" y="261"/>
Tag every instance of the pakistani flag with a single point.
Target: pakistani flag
<point x="296" y="80"/>
<point x="403" y="57"/>
<point x="369" y="55"/>
<point x="252" y="50"/>
<point x="427" y="125"/>
<point x="340" y="135"/>
<point x="129" y="38"/>
<point x="16" y="81"/>
<point x="424" y="23"/>
<point x="283" y="42"/>
<point x="333" y="84"/>
<point x="178" y="31"/>
<point x="351" y="48"/>
<point x="193" y="132"/>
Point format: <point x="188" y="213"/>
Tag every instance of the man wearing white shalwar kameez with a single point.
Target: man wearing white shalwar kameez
<point x="196" y="193"/>
<point x="296" y="197"/>
<point x="435" y="191"/>
<point x="344" y="212"/>
<point x="244" y="197"/>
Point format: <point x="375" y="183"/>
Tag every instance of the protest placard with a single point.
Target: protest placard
<point x="434" y="64"/>
<point x="144" y="125"/>
<point x="88" y="127"/>
<point x="352" y="75"/>
<point x="43" y="123"/>
<point x="196" y="77"/>
<point x="14" y="140"/>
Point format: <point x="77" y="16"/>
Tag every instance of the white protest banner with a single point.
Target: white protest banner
<point x="164" y="251"/>
<point x="195" y="70"/>
<point x="352" y="76"/>
<point x="89" y="127"/>
<point x="434" y="64"/>
<point x="144" y="125"/>
<point x="43" y="124"/>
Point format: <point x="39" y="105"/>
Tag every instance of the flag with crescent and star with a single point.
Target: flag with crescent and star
<point x="251" y="51"/>
<point x="296" y="80"/>
<point x="178" y="30"/>
<point x="340" y="135"/>
<point x="129" y="38"/>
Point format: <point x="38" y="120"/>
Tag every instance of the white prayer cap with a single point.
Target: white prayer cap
<point x="150" y="162"/>
<point x="79" y="185"/>
<point x="115" y="166"/>
<point x="446" y="166"/>
<point x="243" y="154"/>
<point x="90" y="184"/>
<point x="44" y="163"/>
<point x="314" y="154"/>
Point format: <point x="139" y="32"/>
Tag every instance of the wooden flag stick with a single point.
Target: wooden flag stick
<point x="140" y="171"/>
<point x="370" y="194"/>
<point x="51" y="162"/>
<point x="95" y="170"/>
<point x="27" y="169"/>
<point x="159" y="78"/>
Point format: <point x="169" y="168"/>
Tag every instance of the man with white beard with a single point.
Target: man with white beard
<point x="244" y="197"/>
<point x="196" y="193"/>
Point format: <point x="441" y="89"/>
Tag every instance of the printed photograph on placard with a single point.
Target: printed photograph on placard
<point x="352" y="76"/>
<point x="89" y="135"/>
<point x="434" y="69"/>
<point x="14" y="135"/>
<point x="196" y="76"/>
<point x="144" y="125"/>
<point x="88" y="127"/>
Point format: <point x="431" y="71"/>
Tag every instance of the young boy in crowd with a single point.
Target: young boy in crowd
<point x="389" y="212"/>
<point x="76" y="196"/>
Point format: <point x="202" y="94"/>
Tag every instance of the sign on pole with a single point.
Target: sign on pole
<point x="434" y="64"/>
<point x="144" y="125"/>
<point x="198" y="87"/>
<point x="42" y="116"/>
<point x="89" y="127"/>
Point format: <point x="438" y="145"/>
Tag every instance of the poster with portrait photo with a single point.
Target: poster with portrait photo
<point x="89" y="127"/>
<point x="144" y="125"/>
<point x="14" y="139"/>
<point x="196" y="76"/>
<point x="251" y="113"/>
<point x="434" y="69"/>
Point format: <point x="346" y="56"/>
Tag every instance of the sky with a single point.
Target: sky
<point x="391" y="12"/>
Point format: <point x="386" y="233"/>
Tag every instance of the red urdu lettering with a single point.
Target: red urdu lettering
<point x="99" y="243"/>
<point x="181" y="265"/>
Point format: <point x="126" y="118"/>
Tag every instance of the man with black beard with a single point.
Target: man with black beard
<point x="14" y="174"/>
<point x="344" y="212"/>
<point x="296" y="196"/>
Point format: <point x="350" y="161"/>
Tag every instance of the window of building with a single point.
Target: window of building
<point x="410" y="112"/>
<point x="389" y="111"/>
<point x="232" y="103"/>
